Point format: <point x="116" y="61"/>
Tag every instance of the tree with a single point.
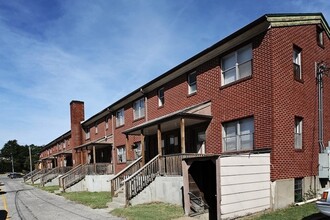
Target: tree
<point x="20" y="156"/>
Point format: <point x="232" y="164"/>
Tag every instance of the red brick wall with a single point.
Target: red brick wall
<point x="77" y="115"/>
<point x="293" y="98"/>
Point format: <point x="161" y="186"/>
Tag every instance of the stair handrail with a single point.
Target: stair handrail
<point x="201" y="203"/>
<point x="44" y="178"/>
<point x="38" y="174"/>
<point x="141" y="178"/>
<point x="116" y="181"/>
<point x="28" y="175"/>
<point x="75" y="176"/>
<point x="61" y="179"/>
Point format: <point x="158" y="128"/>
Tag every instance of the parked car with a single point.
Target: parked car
<point x="323" y="204"/>
<point x="14" y="175"/>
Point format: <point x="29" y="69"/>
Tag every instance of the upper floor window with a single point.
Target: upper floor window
<point x="192" y="83"/>
<point x="96" y="128"/>
<point x="298" y="132"/>
<point x="238" y="135"/>
<point x="120" y="117"/>
<point x="121" y="154"/>
<point x="138" y="109"/>
<point x="161" y="99"/>
<point x="87" y="133"/>
<point x="297" y="63"/>
<point x="106" y="123"/>
<point x="237" y="65"/>
<point x="319" y="36"/>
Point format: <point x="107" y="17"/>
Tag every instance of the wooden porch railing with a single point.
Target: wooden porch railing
<point x="79" y="172"/>
<point x="116" y="181"/>
<point x="99" y="169"/>
<point x="38" y="175"/>
<point x="141" y="178"/>
<point x="171" y="165"/>
<point x="29" y="175"/>
<point x="53" y="173"/>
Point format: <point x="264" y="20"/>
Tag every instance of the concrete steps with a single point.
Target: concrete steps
<point x="118" y="201"/>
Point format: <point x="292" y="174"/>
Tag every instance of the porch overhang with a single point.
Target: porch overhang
<point x="66" y="152"/>
<point x="167" y="123"/>
<point x="90" y="145"/>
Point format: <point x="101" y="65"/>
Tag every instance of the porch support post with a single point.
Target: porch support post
<point x="186" y="198"/>
<point x="94" y="158"/>
<point x="142" y="148"/>
<point x="81" y="156"/>
<point x="159" y="140"/>
<point x="127" y="146"/>
<point x="182" y="134"/>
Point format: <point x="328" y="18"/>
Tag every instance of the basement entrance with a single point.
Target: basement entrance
<point x="200" y="185"/>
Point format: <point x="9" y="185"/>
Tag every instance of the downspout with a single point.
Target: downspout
<point x="321" y="69"/>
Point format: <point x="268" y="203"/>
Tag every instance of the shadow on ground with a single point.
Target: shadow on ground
<point x="316" y="216"/>
<point x="3" y="214"/>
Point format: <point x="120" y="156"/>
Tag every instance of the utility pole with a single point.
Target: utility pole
<point x="30" y="159"/>
<point x="12" y="163"/>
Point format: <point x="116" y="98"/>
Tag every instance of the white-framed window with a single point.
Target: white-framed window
<point x="161" y="98"/>
<point x="87" y="133"/>
<point x="319" y="36"/>
<point x="297" y="63"/>
<point x="138" y="109"/>
<point x="137" y="150"/>
<point x="298" y="123"/>
<point x="96" y="128"/>
<point x="236" y="65"/>
<point x="106" y="123"/>
<point x="238" y="135"/>
<point x="120" y="117"/>
<point x="192" y="82"/>
<point x="121" y="155"/>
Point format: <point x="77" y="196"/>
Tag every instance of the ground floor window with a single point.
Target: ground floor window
<point x="121" y="155"/>
<point x="298" y="194"/>
<point x="238" y="135"/>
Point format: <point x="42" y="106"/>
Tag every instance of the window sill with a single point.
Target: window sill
<point x="119" y="126"/>
<point x="321" y="45"/>
<point x="121" y="162"/>
<point x="160" y="107"/>
<point x="138" y="119"/>
<point x="236" y="82"/>
<point x="298" y="149"/>
<point x="192" y="94"/>
<point x="299" y="80"/>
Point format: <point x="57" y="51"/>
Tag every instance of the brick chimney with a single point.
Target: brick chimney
<point x="77" y="114"/>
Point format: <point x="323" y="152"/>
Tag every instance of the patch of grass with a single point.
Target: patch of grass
<point x="95" y="200"/>
<point x="159" y="211"/>
<point x="291" y="213"/>
<point x="50" y="189"/>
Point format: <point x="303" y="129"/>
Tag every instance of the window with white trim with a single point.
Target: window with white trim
<point x="120" y="117"/>
<point x="238" y="135"/>
<point x="297" y="63"/>
<point x="298" y="123"/>
<point x="121" y="155"/>
<point x="87" y="133"/>
<point x="96" y="128"/>
<point x="106" y="123"/>
<point x="236" y="65"/>
<point x="161" y="98"/>
<point x="138" y="109"/>
<point x="192" y="83"/>
<point x="319" y="35"/>
<point x="137" y="150"/>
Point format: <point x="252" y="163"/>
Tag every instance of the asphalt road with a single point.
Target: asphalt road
<point x="19" y="201"/>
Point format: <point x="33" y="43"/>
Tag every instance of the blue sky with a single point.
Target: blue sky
<point x="56" y="51"/>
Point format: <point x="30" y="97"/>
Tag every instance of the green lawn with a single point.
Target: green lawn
<point x="159" y="211"/>
<point x="50" y="189"/>
<point x="307" y="211"/>
<point x="95" y="200"/>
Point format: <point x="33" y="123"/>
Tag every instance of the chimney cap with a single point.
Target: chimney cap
<point x="76" y="102"/>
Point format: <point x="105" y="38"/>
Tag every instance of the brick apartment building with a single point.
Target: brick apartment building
<point x="254" y="91"/>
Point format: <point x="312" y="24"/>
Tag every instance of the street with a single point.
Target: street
<point x="19" y="201"/>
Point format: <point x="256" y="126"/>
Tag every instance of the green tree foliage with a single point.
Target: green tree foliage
<point x="20" y="154"/>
